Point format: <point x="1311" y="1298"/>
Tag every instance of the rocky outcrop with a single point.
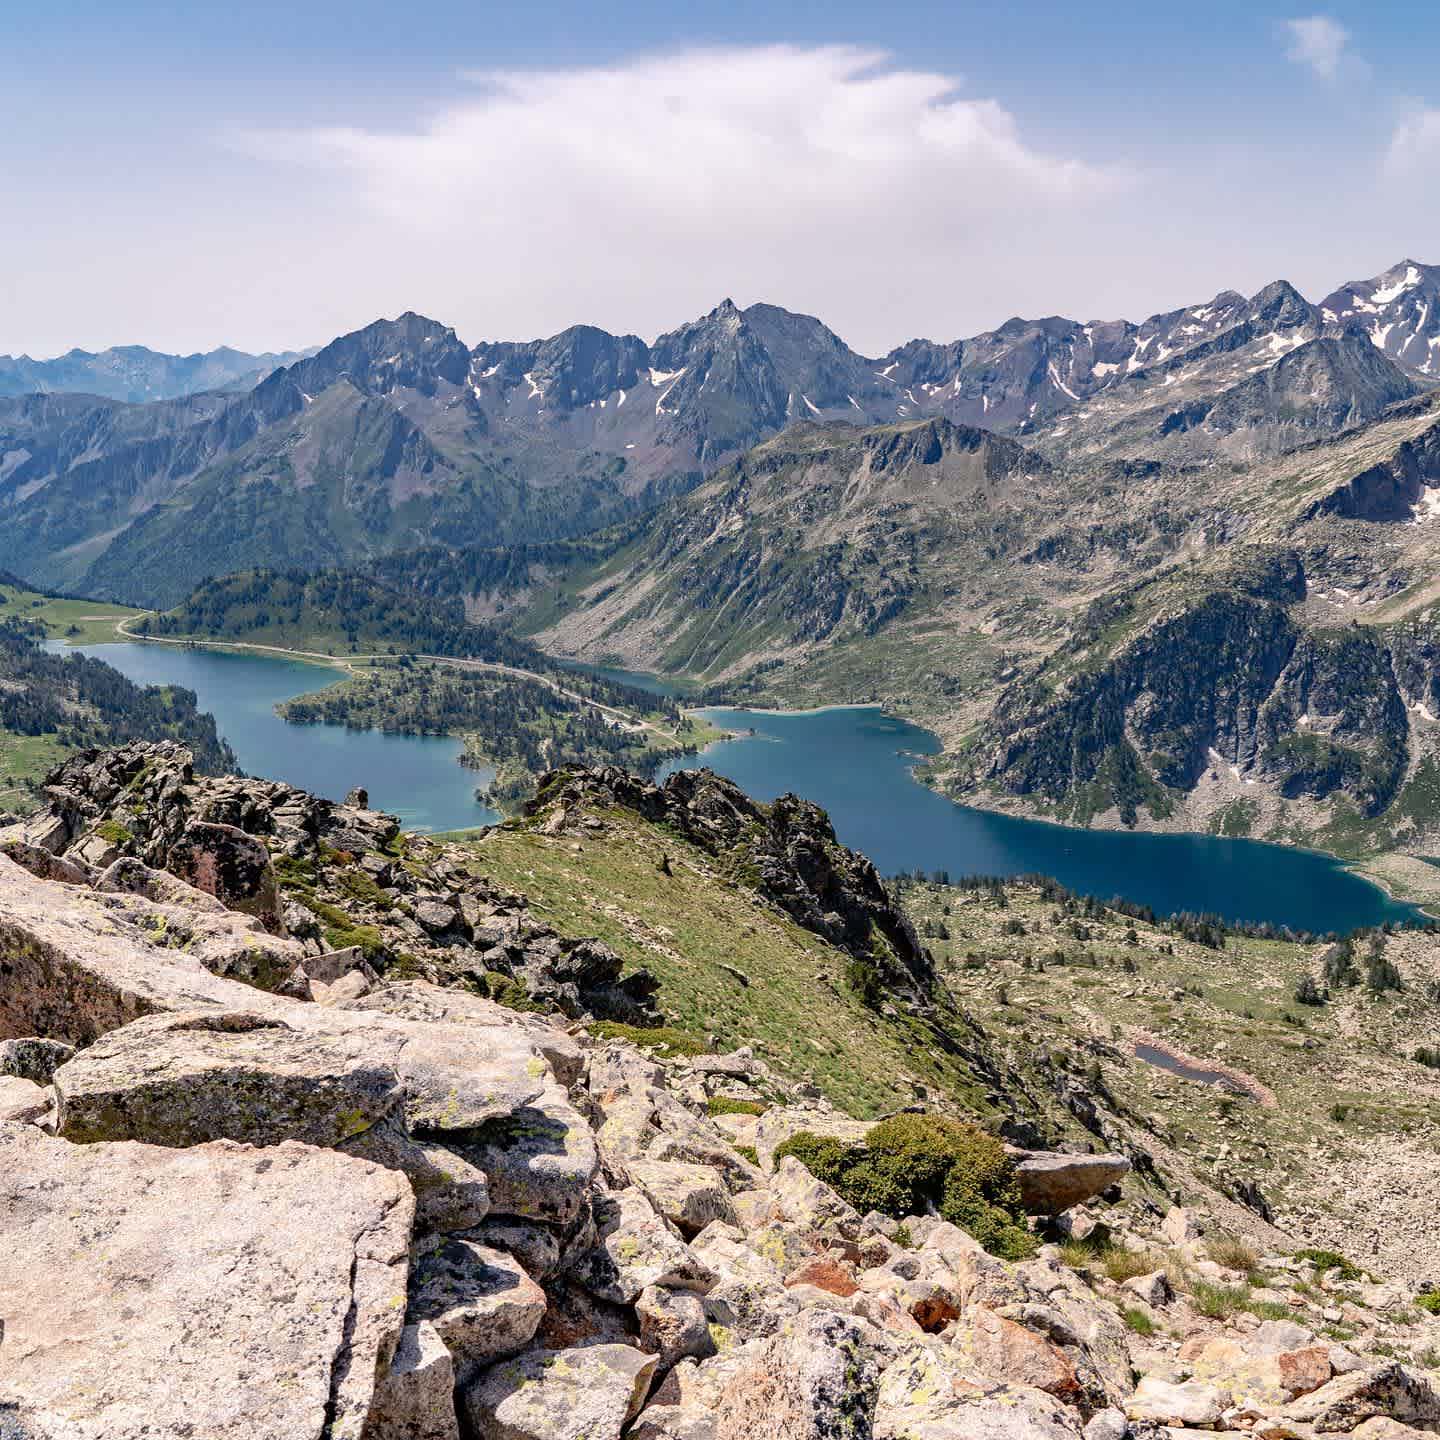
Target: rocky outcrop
<point x="1052" y="1183"/>
<point x="787" y="850"/>
<point x="77" y="963"/>
<point x="410" y="1213"/>
<point x="160" y="1292"/>
<point x="294" y="861"/>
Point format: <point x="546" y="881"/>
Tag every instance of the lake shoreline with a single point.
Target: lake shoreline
<point x="1068" y="853"/>
<point x="855" y="761"/>
<point x="1363" y="870"/>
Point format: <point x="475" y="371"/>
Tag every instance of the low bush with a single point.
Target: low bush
<point x="724" y="1105"/>
<point x="918" y="1164"/>
<point x="1118" y="1263"/>
<point x="1324" y="1260"/>
<point x="1137" y="1321"/>
<point x="1430" y="1303"/>
<point x="1218" y="1302"/>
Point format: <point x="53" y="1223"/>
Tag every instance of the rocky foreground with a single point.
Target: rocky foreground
<point x="251" y="1187"/>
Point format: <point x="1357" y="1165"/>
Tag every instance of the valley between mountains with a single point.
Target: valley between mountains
<point x="1174" y="575"/>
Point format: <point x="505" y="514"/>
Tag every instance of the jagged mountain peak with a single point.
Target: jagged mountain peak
<point x="1399" y="310"/>
<point x="411" y="352"/>
<point x="1282" y="304"/>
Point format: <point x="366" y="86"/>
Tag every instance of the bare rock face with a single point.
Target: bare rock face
<point x="635" y="1249"/>
<point x="80" y="963"/>
<point x="1387" y="1389"/>
<point x="415" y="1400"/>
<point x="433" y="1004"/>
<point x="234" y="867"/>
<point x="673" y="1324"/>
<point x="590" y="1393"/>
<point x="32" y="1057"/>
<point x="450" y="1193"/>
<point x="222" y="1291"/>
<point x="480" y="1301"/>
<point x="22" y="1100"/>
<point x="689" y="1196"/>
<point x="929" y="1392"/>
<point x="1051" y="1183"/>
<point x="1190" y="1403"/>
<point x="233" y="1075"/>
<point x="1004" y="1350"/>
<point x="816" y="1379"/>
<point x="540" y="1158"/>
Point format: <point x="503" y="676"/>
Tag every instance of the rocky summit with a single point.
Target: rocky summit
<point x="259" y="1185"/>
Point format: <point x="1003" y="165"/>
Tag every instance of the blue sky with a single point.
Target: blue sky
<point x="269" y="175"/>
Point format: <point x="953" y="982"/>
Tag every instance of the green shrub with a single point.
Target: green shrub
<point x="114" y="832"/>
<point x="1137" y="1321"/>
<point x="507" y="991"/>
<point x="1430" y="1303"/>
<point x="1324" y="1260"/>
<point x="663" y="1038"/>
<point x="862" y="977"/>
<point x="915" y="1164"/>
<point x="1219" y="1302"/>
<point x="748" y="1152"/>
<point x="903" y="1238"/>
<point x="1118" y="1263"/>
<point x="724" y="1105"/>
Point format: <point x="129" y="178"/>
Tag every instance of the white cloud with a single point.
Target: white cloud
<point x="1318" y="43"/>
<point x="1416" y="140"/>
<point x="647" y="189"/>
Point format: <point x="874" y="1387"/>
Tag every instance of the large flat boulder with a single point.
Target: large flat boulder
<point x="779" y="1123"/>
<point x="224" y="1075"/>
<point x="296" y="1071"/>
<point x="22" y="1099"/>
<point x="1385" y="1390"/>
<point x="1051" y="1182"/>
<point x="220" y="1291"/>
<point x="433" y="1004"/>
<point x="590" y="1393"/>
<point x="930" y="1392"/>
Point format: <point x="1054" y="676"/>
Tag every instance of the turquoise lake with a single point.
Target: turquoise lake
<point x="854" y="761"/>
<point x="417" y="777"/>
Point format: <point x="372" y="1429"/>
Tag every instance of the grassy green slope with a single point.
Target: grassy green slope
<point x="695" y="928"/>
<point x="82" y="621"/>
<point x="1349" y="1100"/>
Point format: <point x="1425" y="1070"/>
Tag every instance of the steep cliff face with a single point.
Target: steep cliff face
<point x="1155" y="691"/>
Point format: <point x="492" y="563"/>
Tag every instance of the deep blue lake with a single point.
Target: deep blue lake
<point x="853" y="761"/>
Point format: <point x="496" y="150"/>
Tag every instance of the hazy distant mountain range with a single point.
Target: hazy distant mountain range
<point x="134" y="373"/>
<point x="398" y="435"/>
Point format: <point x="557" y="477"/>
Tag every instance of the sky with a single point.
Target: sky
<point x="270" y="175"/>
